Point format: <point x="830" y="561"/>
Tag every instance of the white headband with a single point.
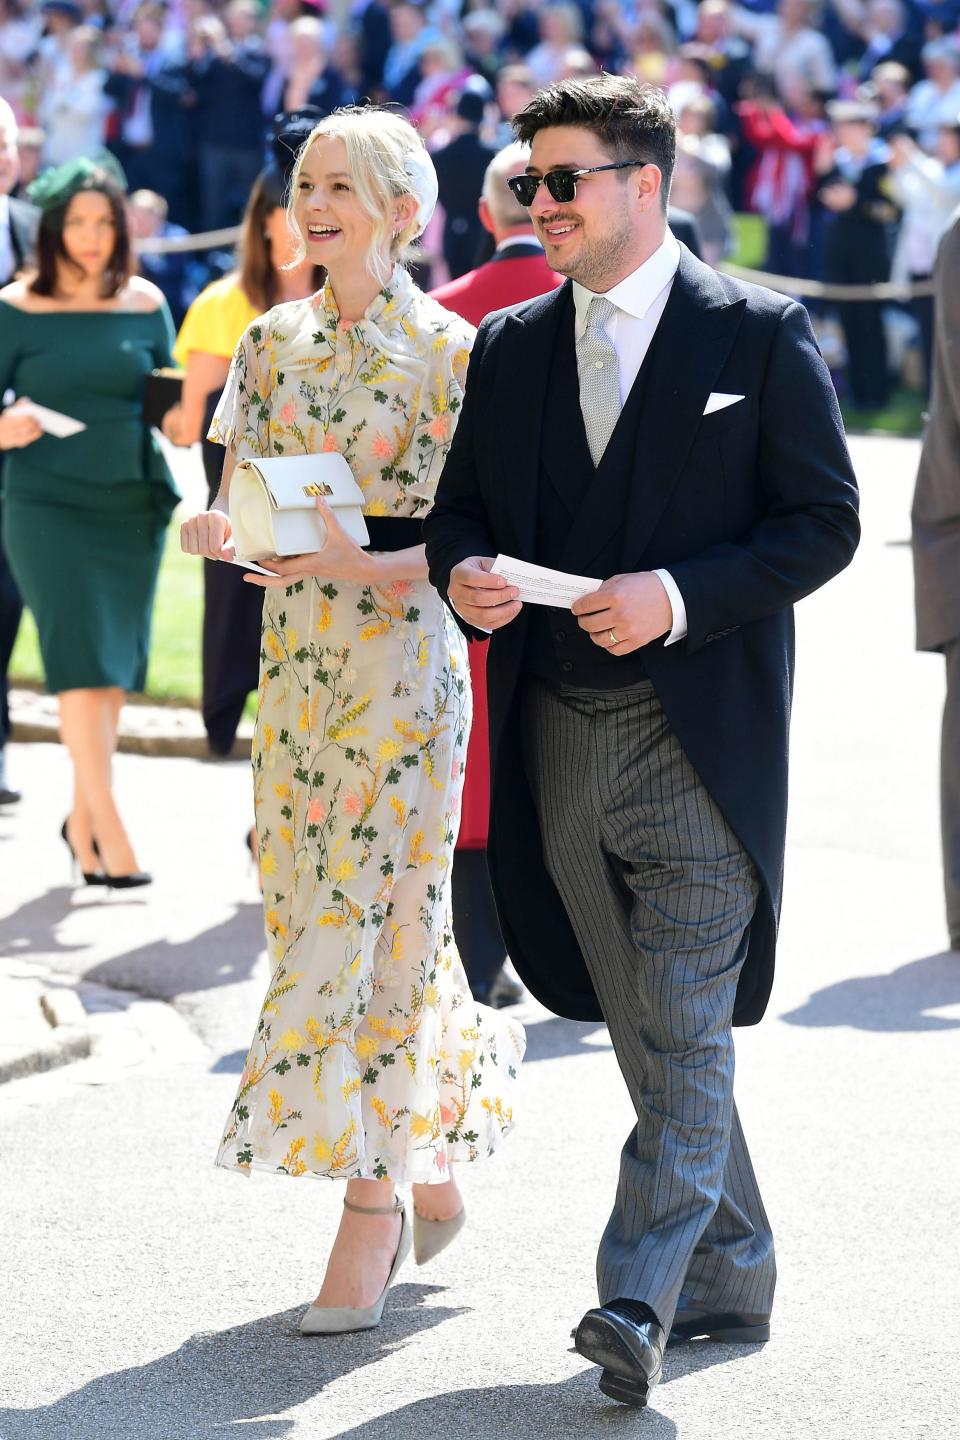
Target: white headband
<point x="423" y="185"/>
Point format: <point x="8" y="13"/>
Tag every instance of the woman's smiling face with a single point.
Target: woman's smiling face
<point x="336" y="228"/>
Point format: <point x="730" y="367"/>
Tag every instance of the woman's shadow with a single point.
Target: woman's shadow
<point x="218" y="1383"/>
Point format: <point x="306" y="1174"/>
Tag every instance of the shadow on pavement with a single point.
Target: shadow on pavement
<point x="901" y="1000"/>
<point x="236" y="1381"/>
<point x="555" y="1038"/>
<point x="31" y="929"/>
<point x="222" y="955"/>
<point x="535" y="1412"/>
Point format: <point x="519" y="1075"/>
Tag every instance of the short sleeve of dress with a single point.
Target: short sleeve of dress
<point x="449" y="349"/>
<point x="241" y="421"/>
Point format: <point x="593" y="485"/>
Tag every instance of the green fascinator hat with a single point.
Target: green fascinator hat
<point x="55" y="188"/>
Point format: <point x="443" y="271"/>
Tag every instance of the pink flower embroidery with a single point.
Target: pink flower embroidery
<point x="448" y="1115"/>
<point x="330" y="442"/>
<point x="440" y="1160"/>
<point x="440" y="428"/>
<point x="401" y="587"/>
<point x="382" y="447"/>
<point x="316" y="811"/>
<point x="288" y="413"/>
<point x="352" y="804"/>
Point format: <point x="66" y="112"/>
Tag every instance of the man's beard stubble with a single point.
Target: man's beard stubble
<point x="598" y="264"/>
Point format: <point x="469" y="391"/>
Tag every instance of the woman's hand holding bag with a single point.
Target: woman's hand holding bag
<point x="340" y="558"/>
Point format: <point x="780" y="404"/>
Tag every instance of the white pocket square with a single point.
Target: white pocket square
<point x="719" y="401"/>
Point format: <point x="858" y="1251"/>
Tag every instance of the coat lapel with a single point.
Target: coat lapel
<point x="523" y="368"/>
<point x="694" y="338"/>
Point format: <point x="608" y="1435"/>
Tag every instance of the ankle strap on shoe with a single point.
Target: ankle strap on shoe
<point x="393" y="1209"/>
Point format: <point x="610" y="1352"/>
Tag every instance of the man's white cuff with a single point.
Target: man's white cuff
<point x="679" y="630"/>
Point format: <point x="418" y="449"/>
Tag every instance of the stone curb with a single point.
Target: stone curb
<point x="144" y="729"/>
<point x="49" y="1021"/>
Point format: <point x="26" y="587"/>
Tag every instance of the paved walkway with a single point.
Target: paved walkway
<point x="147" y="1296"/>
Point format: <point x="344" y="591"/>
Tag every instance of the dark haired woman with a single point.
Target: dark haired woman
<point x="85" y="516"/>
<point x="208" y="337"/>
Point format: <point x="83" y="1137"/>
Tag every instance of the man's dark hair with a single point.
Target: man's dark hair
<point x="632" y="120"/>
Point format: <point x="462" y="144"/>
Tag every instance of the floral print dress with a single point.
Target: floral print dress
<point x="370" y="1058"/>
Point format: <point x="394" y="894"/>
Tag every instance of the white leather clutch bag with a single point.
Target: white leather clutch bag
<point x="272" y="510"/>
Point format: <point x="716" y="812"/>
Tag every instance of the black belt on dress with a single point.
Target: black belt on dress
<point x="393" y="532"/>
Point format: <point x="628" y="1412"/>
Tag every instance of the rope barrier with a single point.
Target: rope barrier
<point x="817" y="290"/>
<point x="170" y="244"/>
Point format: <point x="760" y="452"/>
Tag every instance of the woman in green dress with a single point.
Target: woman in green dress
<point x="85" y="516"/>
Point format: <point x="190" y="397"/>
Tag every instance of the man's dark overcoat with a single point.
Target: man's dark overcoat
<point x="750" y="508"/>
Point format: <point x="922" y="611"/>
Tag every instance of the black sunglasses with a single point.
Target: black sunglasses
<point x="561" y="184"/>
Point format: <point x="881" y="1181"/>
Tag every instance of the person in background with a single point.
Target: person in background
<point x="461" y="165"/>
<point x="700" y="176"/>
<point x="561" y="27"/>
<point x="153" y="136"/>
<point x="780" y="183"/>
<point x="30" y="142"/>
<point x="935" y="522"/>
<point x="889" y="87"/>
<point x="305" y="76"/>
<point x="788" y="45"/>
<point x="935" y="100"/>
<point x="226" y="80"/>
<point x="73" y="108"/>
<point x="409" y="33"/>
<point x="517" y="271"/>
<point x="856" y="189"/>
<point x="927" y="189"/>
<point x="172" y="271"/>
<point x="85" y="517"/>
<point x="205" y="345"/>
<point x="18" y="230"/>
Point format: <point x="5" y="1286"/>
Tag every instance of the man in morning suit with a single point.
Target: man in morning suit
<point x="18" y="231"/>
<point x="675" y="433"/>
<point x="516" y="271"/>
<point x="936" y="549"/>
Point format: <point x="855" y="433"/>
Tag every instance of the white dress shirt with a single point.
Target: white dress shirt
<point x="640" y="300"/>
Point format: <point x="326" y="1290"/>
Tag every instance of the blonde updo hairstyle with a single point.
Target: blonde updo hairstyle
<point x="377" y="144"/>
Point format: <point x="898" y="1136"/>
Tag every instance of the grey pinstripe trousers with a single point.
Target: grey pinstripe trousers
<point x="660" y="893"/>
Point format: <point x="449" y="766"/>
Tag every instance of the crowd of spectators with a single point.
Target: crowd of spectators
<point x="837" y="122"/>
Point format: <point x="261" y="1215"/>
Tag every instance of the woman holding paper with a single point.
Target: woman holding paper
<point x="371" y="1061"/>
<point x="85" y="506"/>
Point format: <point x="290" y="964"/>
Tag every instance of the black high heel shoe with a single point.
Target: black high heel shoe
<point x="90" y="877"/>
<point x="133" y="881"/>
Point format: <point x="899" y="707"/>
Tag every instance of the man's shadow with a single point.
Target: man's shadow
<point x="900" y="1001"/>
<point x="216" y="1383"/>
<point x="554" y="1039"/>
<point x="542" y="1412"/>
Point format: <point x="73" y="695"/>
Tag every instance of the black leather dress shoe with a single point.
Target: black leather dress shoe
<point x="501" y="992"/>
<point x="729" y="1327"/>
<point x="626" y="1339"/>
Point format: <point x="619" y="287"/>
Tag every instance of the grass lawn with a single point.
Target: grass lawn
<point x="174" y="672"/>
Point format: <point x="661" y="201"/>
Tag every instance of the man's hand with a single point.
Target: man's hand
<point x="626" y="613"/>
<point x="485" y="601"/>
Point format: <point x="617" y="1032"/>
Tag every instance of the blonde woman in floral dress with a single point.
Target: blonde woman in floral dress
<point x="371" y="1061"/>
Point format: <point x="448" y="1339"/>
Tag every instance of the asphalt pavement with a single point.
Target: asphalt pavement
<point x="147" y="1296"/>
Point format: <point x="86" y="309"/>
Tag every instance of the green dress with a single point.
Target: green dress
<point x="84" y="518"/>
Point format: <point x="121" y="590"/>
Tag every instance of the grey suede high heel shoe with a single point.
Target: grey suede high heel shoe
<point x="342" y="1319"/>
<point x="432" y="1236"/>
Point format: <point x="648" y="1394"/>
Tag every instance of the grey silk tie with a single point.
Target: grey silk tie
<point x="599" y="377"/>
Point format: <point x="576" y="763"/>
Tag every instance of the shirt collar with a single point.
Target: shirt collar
<point x="637" y="292"/>
<point x="527" y="240"/>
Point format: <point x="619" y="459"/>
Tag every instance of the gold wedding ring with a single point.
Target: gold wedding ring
<point x="613" y="638"/>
